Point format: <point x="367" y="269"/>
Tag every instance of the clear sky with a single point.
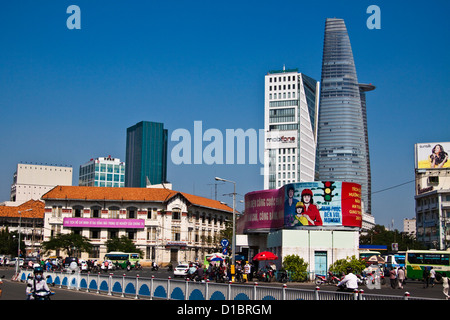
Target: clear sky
<point x="68" y="95"/>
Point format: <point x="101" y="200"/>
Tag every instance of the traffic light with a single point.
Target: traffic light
<point x="328" y="188"/>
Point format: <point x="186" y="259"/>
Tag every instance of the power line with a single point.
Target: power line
<point x="393" y="187"/>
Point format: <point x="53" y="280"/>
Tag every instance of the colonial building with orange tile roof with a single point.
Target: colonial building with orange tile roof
<point x="167" y="225"/>
<point x="29" y="218"/>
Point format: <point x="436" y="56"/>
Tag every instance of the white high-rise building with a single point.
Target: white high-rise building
<point x="291" y="101"/>
<point x="31" y="181"/>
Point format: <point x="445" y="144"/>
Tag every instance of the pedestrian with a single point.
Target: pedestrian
<point x="393" y="278"/>
<point x="246" y="271"/>
<point x="426" y="277"/>
<point x="400" y="277"/>
<point x="432" y="276"/>
<point x="445" y="286"/>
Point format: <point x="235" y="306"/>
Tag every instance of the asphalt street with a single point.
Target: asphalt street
<point x="16" y="290"/>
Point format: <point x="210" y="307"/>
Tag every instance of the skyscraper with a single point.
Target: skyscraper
<point x="146" y="154"/>
<point x="290" y="123"/>
<point x="343" y="147"/>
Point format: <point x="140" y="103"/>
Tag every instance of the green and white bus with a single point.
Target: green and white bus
<point x="417" y="260"/>
<point x="121" y="259"/>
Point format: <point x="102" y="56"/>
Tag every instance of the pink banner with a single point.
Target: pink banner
<point x="264" y="210"/>
<point x="104" y="223"/>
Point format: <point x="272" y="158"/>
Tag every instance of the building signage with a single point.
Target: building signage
<point x="432" y="155"/>
<point x="304" y="204"/>
<point x="104" y="223"/>
<point x="281" y="139"/>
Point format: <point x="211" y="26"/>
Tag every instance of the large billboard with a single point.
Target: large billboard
<point x="432" y="155"/>
<point x="304" y="204"/>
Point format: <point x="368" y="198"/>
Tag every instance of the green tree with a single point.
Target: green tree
<point x="68" y="242"/>
<point x="296" y="266"/>
<point x="9" y="242"/>
<point x="380" y="236"/>
<point x="122" y="244"/>
<point x="340" y="266"/>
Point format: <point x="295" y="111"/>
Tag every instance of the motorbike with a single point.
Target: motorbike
<point x="155" y="267"/>
<point x="221" y="277"/>
<point x="320" y="279"/>
<point x="265" y="275"/>
<point x="284" y="276"/>
<point x="330" y="279"/>
<point x="41" y="295"/>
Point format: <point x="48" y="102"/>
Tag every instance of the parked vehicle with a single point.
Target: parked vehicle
<point x="181" y="270"/>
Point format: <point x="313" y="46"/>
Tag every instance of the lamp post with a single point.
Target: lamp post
<point x="233" y="243"/>
<point x="18" y="244"/>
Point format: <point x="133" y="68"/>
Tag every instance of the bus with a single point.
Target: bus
<point x="417" y="260"/>
<point x="395" y="260"/>
<point x="120" y="259"/>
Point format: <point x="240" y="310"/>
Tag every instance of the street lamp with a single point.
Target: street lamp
<point x="18" y="245"/>
<point x="233" y="243"/>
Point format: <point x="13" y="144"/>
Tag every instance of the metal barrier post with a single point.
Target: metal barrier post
<point x="316" y="293"/>
<point x="229" y="291"/>
<point x="406" y="295"/>
<point x="168" y="288"/>
<point x="360" y="296"/>
<point x="98" y="282"/>
<point x="151" y="287"/>
<point x="254" y="290"/>
<point x="186" y="289"/>
<point x="110" y="285"/>
<point x="355" y="294"/>
<point x="207" y="289"/>
<point x="87" y="286"/>
<point x="123" y="286"/>
<point x="137" y="287"/>
<point x="284" y="291"/>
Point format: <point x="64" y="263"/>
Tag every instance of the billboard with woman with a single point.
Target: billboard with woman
<point x="432" y="155"/>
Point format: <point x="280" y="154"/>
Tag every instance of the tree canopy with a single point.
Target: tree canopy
<point x="68" y="242"/>
<point x="122" y="244"/>
<point x="381" y="236"/>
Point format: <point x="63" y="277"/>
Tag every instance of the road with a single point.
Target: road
<point x="16" y="290"/>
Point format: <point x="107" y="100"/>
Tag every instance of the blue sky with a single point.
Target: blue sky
<point x="68" y="95"/>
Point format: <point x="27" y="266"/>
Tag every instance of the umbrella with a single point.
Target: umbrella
<point x="216" y="259"/>
<point x="265" y="255"/>
<point x="375" y="259"/>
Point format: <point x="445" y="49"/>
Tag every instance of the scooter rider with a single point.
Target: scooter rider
<point x="349" y="282"/>
<point x="36" y="284"/>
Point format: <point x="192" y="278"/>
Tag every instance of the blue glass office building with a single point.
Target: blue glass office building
<point x="146" y="154"/>
<point x="343" y="147"/>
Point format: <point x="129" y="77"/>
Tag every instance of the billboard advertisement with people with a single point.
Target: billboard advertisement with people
<point x="304" y="204"/>
<point x="432" y="155"/>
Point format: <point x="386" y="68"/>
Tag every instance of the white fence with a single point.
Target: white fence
<point x="153" y="288"/>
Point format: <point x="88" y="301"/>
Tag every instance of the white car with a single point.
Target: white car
<point x="181" y="270"/>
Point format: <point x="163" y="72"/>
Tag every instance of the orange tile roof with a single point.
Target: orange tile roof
<point x="37" y="211"/>
<point x="128" y="194"/>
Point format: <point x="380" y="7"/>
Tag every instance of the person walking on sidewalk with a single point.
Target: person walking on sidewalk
<point x="426" y="277"/>
<point x="400" y="277"/>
